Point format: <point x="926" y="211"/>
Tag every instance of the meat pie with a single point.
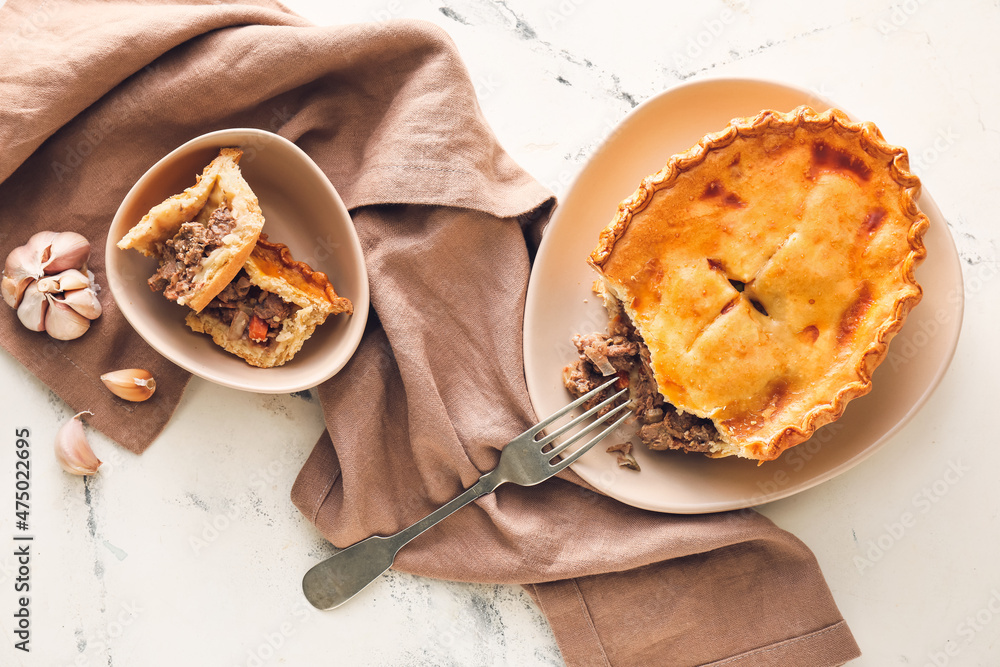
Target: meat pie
<point x="201" y="236"/>
<point x="761" y="275"/>
<point x="270" y="308"/>
<point x="247" y="293"/>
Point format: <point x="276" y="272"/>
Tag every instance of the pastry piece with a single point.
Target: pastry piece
<point x="762" y="274"/>
<point x="201" y="236"/>
<point x="271" y="307"/>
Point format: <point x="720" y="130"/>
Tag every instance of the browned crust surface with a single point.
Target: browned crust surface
<point x="776" y="202"/>
<point x="271" y="267"/>
<point x="223" y="264"/>
<point x="275" y="259"/>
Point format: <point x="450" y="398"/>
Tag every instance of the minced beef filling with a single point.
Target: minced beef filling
<point x="622" y="352"/>
<point x="186" y="251"/>
<point x="246" y="308"/>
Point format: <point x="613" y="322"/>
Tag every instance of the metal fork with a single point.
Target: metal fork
<point x="524" y="461"/>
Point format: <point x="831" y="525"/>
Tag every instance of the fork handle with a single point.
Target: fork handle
<point x="343" y="575"/>
<point x="486" y="485"/>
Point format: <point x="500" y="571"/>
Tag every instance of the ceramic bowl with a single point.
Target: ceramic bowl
<point x="301" y="209"/>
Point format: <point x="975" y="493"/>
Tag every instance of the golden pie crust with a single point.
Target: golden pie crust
<point x="221" y="184"/>
<point x="767" y="269"/>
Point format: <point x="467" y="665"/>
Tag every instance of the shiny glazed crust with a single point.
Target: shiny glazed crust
<point x="221" y="183"/>
<point x="767" y="269"/>
<point x="272" y="268"/>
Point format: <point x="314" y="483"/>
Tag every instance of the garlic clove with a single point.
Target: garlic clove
<point x="64" y="323"/>
<point x="72" y="449"/>
<point x="132" y="384"/>
<point x="33" y="308"/>
<point x="22" y="262"/>
<point x="68" y="280"/>
<point x="68" y="250"/>
<point x="83" y="301"/>
<point x="39" y="247"/>
<point x="13" y="290"/>
<point x="22" y="266"/>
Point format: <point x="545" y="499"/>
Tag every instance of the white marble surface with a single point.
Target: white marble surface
<point x="192" y="553"/>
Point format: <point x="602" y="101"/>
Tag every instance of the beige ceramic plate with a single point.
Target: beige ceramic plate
<point x="560" y="304"/>
<point x="301" y="209"/>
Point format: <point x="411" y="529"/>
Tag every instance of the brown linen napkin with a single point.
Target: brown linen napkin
<point x="93" y="93"/>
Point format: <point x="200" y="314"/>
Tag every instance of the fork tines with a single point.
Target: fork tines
<point x="588" y="428"/>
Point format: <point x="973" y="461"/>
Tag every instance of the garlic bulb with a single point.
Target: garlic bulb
<point x="83" y="301"/>
<point x="46" y="280"/>
<point x="33" y="308"/>
<point x="72" y="449"/>
<point x="132" y="384"/>
<point x="20" y="269"/>
<point x="68" y="280"/>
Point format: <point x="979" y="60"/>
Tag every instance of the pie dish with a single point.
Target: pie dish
<point x="560" y="302"/>
<point x="766" y="269"/>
